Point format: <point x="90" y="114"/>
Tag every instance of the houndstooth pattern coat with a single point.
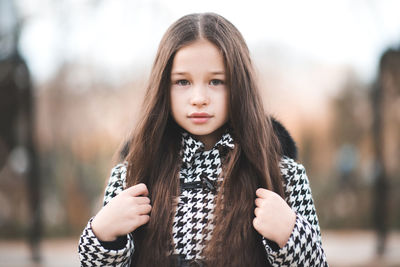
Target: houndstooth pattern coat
<point x="192" y="224"/>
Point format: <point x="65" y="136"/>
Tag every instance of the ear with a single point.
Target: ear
<point x="288" y="145"/>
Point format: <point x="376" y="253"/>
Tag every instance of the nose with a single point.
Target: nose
<point x="199" y="96"/>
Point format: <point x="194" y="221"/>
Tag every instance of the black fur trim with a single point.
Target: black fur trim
<point x="288" y="145"/>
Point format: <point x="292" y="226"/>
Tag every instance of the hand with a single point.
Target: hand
<point x="274" y="219"/>
<point x="123" y="214"/>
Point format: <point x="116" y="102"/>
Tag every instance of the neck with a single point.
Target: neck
<point x="209" y="140"/>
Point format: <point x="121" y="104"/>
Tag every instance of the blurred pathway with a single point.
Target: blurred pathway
<point x="55" y="253"/>
<point x="343" y="248"/>
<point x="357" y="248"/>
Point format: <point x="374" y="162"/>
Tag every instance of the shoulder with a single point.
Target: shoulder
<point x="119" y="170"/>
<point x="293" y="174"/>
<point x="295" y="181"/>
<point x="290" y="167"/>
<point x="117" y="182"/>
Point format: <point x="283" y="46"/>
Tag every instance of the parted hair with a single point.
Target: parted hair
<point x="154" y="152"/>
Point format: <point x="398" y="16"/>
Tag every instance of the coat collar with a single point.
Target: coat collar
<point x="191" y="146"/>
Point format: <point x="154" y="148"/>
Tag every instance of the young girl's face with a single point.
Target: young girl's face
<point x="199" y="95"/>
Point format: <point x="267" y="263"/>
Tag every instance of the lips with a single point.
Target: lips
<point x="199" y="117"/>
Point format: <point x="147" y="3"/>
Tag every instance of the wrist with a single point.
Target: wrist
<point x="101" y="231"/>
<point x="284" y="238"/>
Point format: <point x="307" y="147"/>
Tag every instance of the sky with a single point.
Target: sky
<point x="119" y="37"/>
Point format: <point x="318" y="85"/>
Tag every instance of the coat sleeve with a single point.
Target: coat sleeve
<point x="304" y="247"/>
<point x="92" y="251"/>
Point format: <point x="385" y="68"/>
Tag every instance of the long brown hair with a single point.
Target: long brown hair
<point x="154" y="153"/>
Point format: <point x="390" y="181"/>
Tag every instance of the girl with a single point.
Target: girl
<point x="208" y="179"/>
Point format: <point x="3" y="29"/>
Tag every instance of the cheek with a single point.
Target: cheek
<point x="176" y="104"/>
<point x="225" y="106"/>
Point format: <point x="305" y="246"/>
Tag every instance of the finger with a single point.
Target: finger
<point x="256" y="223"/>
<point x="143" y="209"/>
<point x="262" y="192"/>
<point x="259" y="202"/>
<point x="143" y="219"/>
<point x="142" y="200"/>
<point x="137" y="190"/>
<point x="257" y="212"/>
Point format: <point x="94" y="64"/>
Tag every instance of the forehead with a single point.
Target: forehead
<point x="199" y="55"/>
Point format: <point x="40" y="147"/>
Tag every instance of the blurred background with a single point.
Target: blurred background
<point x="72" y="78"/>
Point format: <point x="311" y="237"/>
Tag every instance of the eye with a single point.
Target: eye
<point x="216" y="82"/>
<point x="182" y="82"/>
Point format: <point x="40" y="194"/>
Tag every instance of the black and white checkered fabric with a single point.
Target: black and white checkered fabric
<point x="193" y="222"/>
<point x="304" y="247"/>
<point x="91" y="251"/>
<point x="194" y="213"/>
